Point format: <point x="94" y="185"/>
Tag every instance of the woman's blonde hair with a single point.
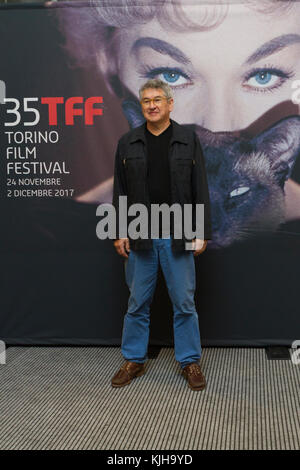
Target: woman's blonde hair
<point x="90" y="25"/>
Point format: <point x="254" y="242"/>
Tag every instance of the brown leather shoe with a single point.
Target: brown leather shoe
<point x="193" y="374"/>
<point x="126" y="373"/>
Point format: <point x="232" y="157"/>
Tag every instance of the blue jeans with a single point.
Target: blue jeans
<point x="141" y="268"/>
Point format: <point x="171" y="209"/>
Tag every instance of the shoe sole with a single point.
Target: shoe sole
<point x="197" y="389"/>
<point x="142" y="372"/>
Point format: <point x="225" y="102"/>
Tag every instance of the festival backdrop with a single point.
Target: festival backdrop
<point x="70" y="74"/>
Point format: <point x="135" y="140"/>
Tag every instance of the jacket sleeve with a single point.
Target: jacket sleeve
<point x="200" y="187"/>
<point x="119" y="186"/>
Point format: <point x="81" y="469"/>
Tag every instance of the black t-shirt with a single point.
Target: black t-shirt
<point x="158" y="175"/>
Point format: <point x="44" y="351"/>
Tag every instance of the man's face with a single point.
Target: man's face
<point x="156" y="107"/>
<point x="224" y="78"/>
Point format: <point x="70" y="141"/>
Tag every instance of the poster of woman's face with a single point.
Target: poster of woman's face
<point x="233" y="69"/>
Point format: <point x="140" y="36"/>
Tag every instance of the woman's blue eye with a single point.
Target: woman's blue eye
<point x="169" y="75"/>
<point x="263" y="77"/>
<point x="266" y="79"/>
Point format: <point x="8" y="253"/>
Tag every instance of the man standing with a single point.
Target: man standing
<point x="160" y="162"/>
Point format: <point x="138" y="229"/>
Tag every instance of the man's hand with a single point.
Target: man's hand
<point x="199" y="246"/>
<point x="122" y="245"/>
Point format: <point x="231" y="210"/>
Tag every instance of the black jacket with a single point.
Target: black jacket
<point x="188" y="177"/>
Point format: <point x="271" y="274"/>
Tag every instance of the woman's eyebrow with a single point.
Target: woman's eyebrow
<point x="266" y="49"/>
<point x="272" y="46"/>
<point x="162" y="47"/>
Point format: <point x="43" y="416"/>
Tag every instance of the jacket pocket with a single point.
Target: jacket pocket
<point x="134" y="173"/>
<point x="184" y="167"/>
<point x="185" y="161"/>
<point x="183" y="172"/>
<point x="128" y="160"/>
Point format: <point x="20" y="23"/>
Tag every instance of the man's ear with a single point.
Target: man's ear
<point x="171" y="102"/>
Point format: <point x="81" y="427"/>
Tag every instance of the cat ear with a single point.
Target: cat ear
<point x="216" y="139"/>
<point x="133" y="113"/>
<point x="281" y="145"/>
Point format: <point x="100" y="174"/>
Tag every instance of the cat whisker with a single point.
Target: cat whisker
<point x="251" y="232"/>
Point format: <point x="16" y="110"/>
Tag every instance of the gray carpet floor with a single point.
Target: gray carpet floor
<point x="61" y="398"/>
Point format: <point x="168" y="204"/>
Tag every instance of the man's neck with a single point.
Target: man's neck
<point x="157" y="128"/>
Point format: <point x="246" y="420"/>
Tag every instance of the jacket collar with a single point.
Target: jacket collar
<point x="179" y="133"/>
